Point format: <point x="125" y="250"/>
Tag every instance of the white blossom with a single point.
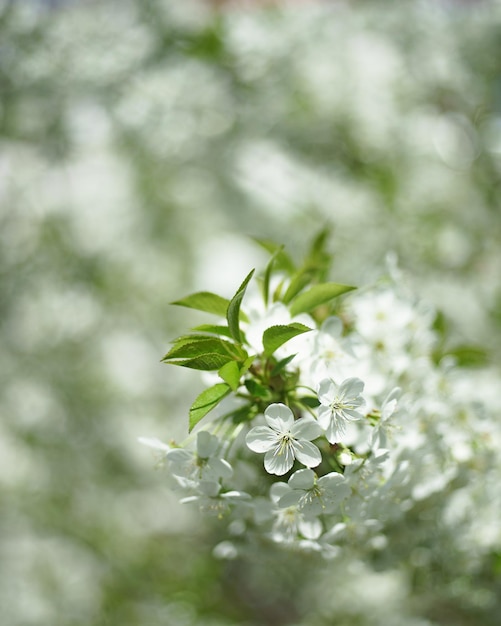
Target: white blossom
<point x="285" y="439"/>
<point x="313" y="495"/>
<point x="338" y="404"/>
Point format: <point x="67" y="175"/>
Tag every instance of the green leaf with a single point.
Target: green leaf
<point x="283" y="260"/>
<point x="468" y="356"/>
<point x="207" y="362"/>
<point x="207" y="401"/>
<point x="318" y="258"/>
<point x="247" y="363"/>
<point x="275" y="336"/>
<point x="310" y="401"/>
<point x="205" y="301"/>
<point x="230" y="373"/>
<point x="233" y="312"/>
<point x="297" y="283"/>
<point x="267" y="275"/>
<point x="200" y="345"/>
<point x="317" y="295"/>
<point x="282" y="364"/>
<point x="214" y="329"/>
<point x="256" y="389"/>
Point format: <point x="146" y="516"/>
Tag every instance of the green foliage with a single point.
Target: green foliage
<point x="205" y="301"/>
<point x="468" y="356"/>
<point x="233" y="311"/>
<point x="260" y="377"/>
<point x="206" y="401"/>
<point x="317" y="295"/>
<point x="230" y="373"/>
<point x="276" y="336"/>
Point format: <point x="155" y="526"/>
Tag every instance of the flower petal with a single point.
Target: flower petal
<point x="351" y="387"/>
<point x="277" y="490"/>
<point x="307" y="453"/>
<point x="310" y="528"/>
<point x="206" y="444"/>
<point x="291" y="498"/>
<point x="152" y="442"/>
<point x="261" y="439"/>
<point x="306" y="428"/>
<point x="351" y="415"/>
<point x="279" y="460"/>
<point x="334" y="486"/>
<point x="279" y="417"/>
<point x="327" y="391"/>
<point x="217" y="468"/>
<point x="335" y="430"/>
<point x="324" y="415"/>
<point x="302" y="479"/>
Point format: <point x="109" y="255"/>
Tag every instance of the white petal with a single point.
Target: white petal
<point x="261" y="439"/>
<point x="310" y="528"/>
<point x="307" y="453"/>
<point x="178" y="456"/>
<point x="277" y="490"/>
<point x="153" y="443"/>
<point x="206" y="444"/>
<point x="217" y="468"/>
<point x="302" y="479"/>
<point x="333" y="326"/>
<point x="324" y="416"/>
<point x="306" y="428"/>
<point x="351" y="387"/>
<point x="290" y="499"/>
<point x="351" y="415"/>
<point x="279" y="417"/>
<point x="327" y="391"/>
<point x="279" y="460"/>
<point x="235" y="495"/>
<point x="335" y="487"/>
<point x="209" y="488"/>
<point x="334" y="431"/>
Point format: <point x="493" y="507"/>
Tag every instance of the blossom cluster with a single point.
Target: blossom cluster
<point x="340" y="404"/>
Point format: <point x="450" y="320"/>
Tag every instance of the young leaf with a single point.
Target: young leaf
<point x="247" y="363"/>
<point x="206" y="362"/>
<point x="200" y="345"/>
<point x="267" y="275"/>
<point x="256" y="389"/>
<point x="206" y="401"/>
<point x="230" y="373"/>
<point x="213" y="329"/>
<point x="318" y="258"/>
<point x="205" y="301"/>
<point x="317" y="295"/>
<point x="275" y="336"/>
<point x="283" y="260"/>
<point x="233" y="312"/>
<point x="282" y="364"/>
<point x="298" y="282"/>
<point x="468" y="356"/>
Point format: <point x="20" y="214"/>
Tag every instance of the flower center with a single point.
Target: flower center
<point x="285" y="441"/>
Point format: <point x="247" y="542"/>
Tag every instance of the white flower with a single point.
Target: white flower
<point x="338" y="404"/>
<point x="290" y="524"/>
<point x="285" y="439"/>
<point x="315" y="496"/>
<point x="204" y="464"/>
<point x="214" y="502"/>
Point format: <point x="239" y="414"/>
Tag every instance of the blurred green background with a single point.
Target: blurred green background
<point x="142" y="145"/>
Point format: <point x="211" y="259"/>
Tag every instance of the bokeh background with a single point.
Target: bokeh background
<point x="143" y="145"/>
